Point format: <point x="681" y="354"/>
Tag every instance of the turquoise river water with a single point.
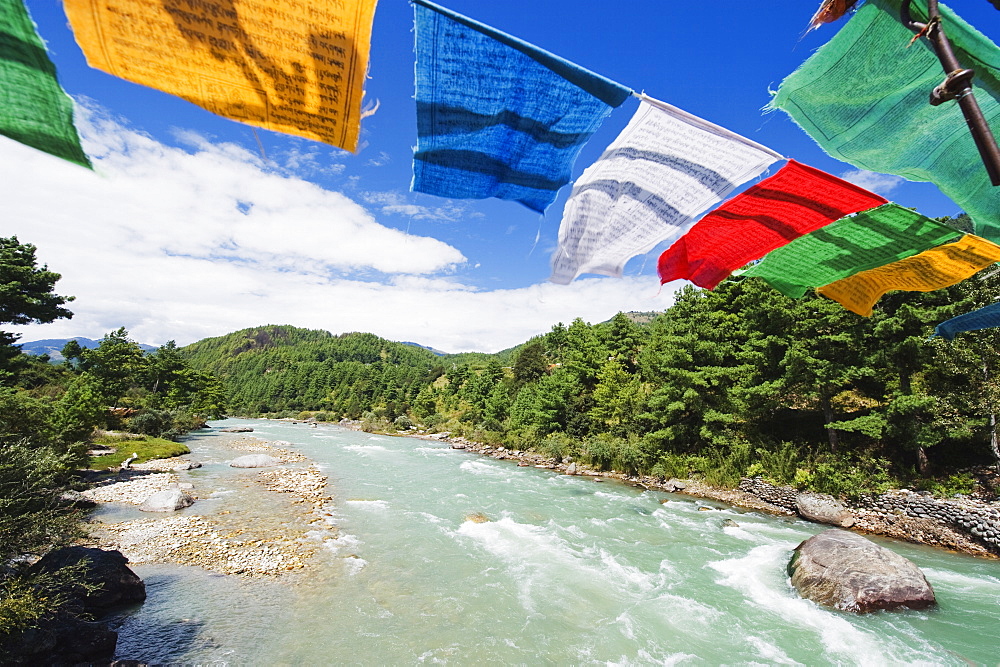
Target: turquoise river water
<point x="567" y="571"/>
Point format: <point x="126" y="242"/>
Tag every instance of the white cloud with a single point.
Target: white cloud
<point x="881" y="184"/>
<point x="396" y="203"/>
<point x="178" y="244"/>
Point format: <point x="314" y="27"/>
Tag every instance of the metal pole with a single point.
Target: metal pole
<point x="956" y="86"/>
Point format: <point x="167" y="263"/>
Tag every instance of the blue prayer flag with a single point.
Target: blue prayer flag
<point x="496" y="116"/>
<point x="984" y="318"/>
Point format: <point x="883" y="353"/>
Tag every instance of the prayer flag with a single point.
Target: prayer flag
<point x="649" y="186"/>
<point x="795" y="201"/>
<point x="34" y="109"/>
<point x="864" y="241"/>
<point x="284" y="65"/>
<point x="863" y="98"/>
<point x="496" y="116"/>
<point x="930" y="270"/>
<point x="984" y="318"/>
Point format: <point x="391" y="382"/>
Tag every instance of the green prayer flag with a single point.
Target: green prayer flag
<point x="863" y="97"/>
<point x="34" y="109"/>
<point x="860" y="242"/>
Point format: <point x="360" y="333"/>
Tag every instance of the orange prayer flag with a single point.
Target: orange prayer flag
<point x="285" y="65"/>
<point x="928" y="271"/>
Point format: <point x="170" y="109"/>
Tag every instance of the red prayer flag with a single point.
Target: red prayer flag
<point x="795" y="201"/>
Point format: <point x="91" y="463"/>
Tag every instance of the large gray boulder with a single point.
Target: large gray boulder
<point x="849" y="572"/>
<point x="255" y="461"/>
<point x="168" y="500"/>
<point x="111" y="582"/>
<point x="236" y="429"/>
<point x="822" y="508"/>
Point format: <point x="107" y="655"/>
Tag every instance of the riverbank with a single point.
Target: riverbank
<point x="966" y="526"/>
<point x="236" y="540"/>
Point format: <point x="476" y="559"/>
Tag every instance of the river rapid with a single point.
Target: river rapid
<point x="565" y="571"/>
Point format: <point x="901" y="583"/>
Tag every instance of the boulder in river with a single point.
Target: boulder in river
<point x="107" y="574"/>
<point x="822" y="508"/>
<point x="255" y="461"/>
<point x="236" y="429"/>
<point x="849" y="572"/>
<point x="168" y="500"/>
<point x="674" y="484"/>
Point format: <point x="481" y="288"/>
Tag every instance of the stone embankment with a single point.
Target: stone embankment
<point x="233" y="541"/>
<point x="963" y="524"/>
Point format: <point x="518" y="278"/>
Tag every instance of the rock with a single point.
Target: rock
<point x="77" y="499"/>
<point x="64" y="640"/>
<point x="849" y="572"/>
<point x="457" y="445"/>
<point x="822" y="508"/>
<point x="190" y="465"/>
<point x="254" y="461"/>
<point x="729" y="523"/>
<point x="236" y="429"/>
<point x="168" y="500"/>
<point x="115" y="584"/>
<point x="673" y="484"/>
<point x="571" y="469"/>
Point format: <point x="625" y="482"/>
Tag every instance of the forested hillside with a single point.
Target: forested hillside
<point x="278" y="369"/>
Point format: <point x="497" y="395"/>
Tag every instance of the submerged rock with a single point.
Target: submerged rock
<point x="849" y="572"/>
<point x="168" y="500"/>
<point x="255" y="461"/>
<point x="822" y="508"/>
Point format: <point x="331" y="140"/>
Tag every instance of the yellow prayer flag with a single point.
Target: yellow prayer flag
<point x="928" y="271"/>
<point x="294" y="66"/>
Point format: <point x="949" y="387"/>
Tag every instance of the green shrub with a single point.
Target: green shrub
<point x="150" y="422"/>
<point x="599" y="451"/>
<point x="959" y="482"/>
<point x="848" y="477"/>
<point x="671" y="465"/>
<point x="628" y="455"/>
<point x="556" y="446"/>
<point x="27" y="598"/>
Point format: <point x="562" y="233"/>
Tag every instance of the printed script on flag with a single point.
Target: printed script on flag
<point x="795" y="201"/>
<point x="930" y="270"/>
<point x="863" y="98"/>
<point x="649" y="186"/>
<point x="34" y="109"/>
<point x="864" y="241"/>
<point x="290" y="66"/>
<point x="496" y="116"/>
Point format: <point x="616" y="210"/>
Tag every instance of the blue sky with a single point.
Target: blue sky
<point x="186" y="230"/>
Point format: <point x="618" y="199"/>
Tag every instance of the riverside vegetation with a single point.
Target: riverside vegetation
<point x="51" y="415"/>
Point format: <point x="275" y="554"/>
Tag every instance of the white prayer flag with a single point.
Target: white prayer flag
<point x="650" y="185"/>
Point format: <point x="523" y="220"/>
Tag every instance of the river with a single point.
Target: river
<point x="566" y="571"/>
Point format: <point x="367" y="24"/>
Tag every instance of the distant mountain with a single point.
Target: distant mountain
<point x="434" y="350"/>
<point x="53" y="346"/>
